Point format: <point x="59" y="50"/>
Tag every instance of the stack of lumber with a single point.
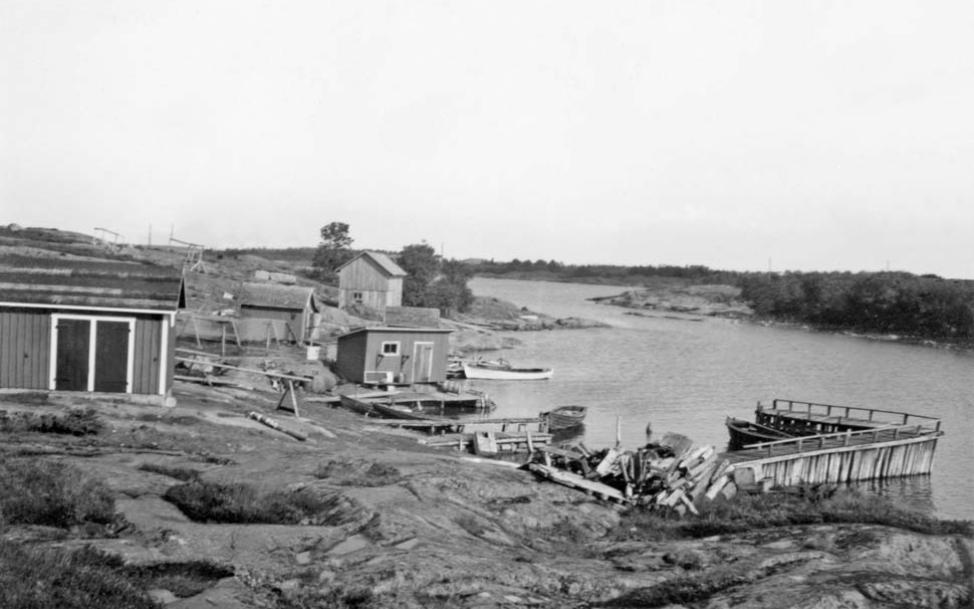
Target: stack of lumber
<point x="673" y="475"/>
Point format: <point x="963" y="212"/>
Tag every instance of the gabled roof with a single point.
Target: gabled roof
<point x="99" y="284"/>
<point x="381" y="262"/>
<point x="277" y="296"/>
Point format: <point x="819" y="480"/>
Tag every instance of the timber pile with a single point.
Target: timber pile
<point x="671" y="476"/>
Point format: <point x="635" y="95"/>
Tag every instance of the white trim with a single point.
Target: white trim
<point x="31" y="305"/>
<point x="429" y="373"/>
<point x="163" y="355"/>
<point x="92" y="338"/>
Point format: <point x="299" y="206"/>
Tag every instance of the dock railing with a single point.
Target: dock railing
<point x="852" y="412"/>
<point x="802" y="444"/>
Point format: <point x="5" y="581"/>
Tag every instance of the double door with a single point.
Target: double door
<point x="92" y="353"/>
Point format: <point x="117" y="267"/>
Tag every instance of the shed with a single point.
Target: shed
<point x="400" y="355"/>
<point x="87" y="325"/>
<point x="371" y="279"/>
<point x="289" y="309"/>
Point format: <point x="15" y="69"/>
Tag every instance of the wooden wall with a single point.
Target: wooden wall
<point x="148" y="349"/>
<point x="25" y="355"/>
<point x="378" y="290"/>
<point x="25" y="350"/>
<point x="350" y="357"/>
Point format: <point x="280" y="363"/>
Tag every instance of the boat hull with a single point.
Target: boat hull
<point x="742" y="432"/>
<point x="506" y="374"/>
<point x="565" y="417"/>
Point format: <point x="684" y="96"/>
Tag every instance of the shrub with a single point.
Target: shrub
<point x="179" y="473"/>
<point x="358" y="473"/>
<point x="752" y="512"/>
<point x="74" y="422"/>
<point x="52" y="494"/>
<point x="241" y="503"/>
<point x="37" y="578"/>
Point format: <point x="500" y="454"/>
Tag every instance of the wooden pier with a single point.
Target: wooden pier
<point x="844" y="444"/>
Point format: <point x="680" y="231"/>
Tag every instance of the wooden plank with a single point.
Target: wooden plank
<point x="575" y="481"/>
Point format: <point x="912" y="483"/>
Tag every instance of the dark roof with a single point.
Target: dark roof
<point x="396" y="330"/>
<point x="77" y="283"/>
<point x="381" y="262"/>
<point x="277" y="296"/>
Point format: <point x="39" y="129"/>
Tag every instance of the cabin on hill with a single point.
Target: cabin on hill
<point x="371" y="279"/>
<point x="286" y="311"/>
<point x="88" y="325"/>
<point x="393" y="355"/>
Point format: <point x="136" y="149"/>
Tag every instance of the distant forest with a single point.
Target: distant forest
<point x="921" y="307"/>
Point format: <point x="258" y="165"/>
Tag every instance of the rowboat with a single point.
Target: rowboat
<point x="357" y="405"/>
<point x="393" y="410"/>
<point x="744" y="432"/>
<point x="500" y="370"/>
<point x="565" y="417"/>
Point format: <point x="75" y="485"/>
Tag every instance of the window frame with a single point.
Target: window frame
<point x="393" y="343"/>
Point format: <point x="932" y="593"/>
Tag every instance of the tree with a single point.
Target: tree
<point x="333" y="251"/>
<point x="422" y="266"/>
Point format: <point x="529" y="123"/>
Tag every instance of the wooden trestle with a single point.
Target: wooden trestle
<point x="841" y="444"/>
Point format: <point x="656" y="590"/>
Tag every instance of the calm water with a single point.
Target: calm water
<point x="687" y="376"/>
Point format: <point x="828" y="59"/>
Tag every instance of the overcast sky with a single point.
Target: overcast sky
<point x="736" y="134"/>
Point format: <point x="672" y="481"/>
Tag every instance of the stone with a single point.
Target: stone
<point x="303" y="558"/>
<point x="162" y="596"/>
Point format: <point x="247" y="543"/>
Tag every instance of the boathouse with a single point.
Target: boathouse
<point x="371" y="279"/>
<point x="87" y="325"/>
<point x="393" y="355"/>
<point x="271" y="310"/>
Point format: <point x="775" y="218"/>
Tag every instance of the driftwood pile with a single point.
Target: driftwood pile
<point x="672" y="475"/>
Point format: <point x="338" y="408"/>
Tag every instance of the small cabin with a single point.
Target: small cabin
<point x="283" y="312"/>
<point x="393" y="355"/>
<point x="88" y="325"/>
<point x="371" y="279"/>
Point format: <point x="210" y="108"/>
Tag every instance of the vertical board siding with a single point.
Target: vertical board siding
<point x="889" y="459"/>
<point x="147" y="348"/>
<point x="25" y="338"/>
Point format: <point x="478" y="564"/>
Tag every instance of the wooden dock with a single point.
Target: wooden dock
<point x="505" y="442"/>
<point x="851" y="444"/>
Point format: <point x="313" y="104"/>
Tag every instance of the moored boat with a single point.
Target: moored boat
<point x="743" y="432"/>
<point x="565" y="417"/>
<point x="357" y="405"/>
<point x="501" y="370"/>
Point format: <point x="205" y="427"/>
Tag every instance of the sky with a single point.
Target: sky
<point x="744" y="135"/>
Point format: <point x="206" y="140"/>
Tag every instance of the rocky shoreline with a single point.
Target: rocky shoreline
<point x="412" y="527"/>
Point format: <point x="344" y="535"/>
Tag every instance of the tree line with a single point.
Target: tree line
<point x="920" y="306"/>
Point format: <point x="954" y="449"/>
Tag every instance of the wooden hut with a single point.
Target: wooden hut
<point x="287" y="311"/>
<point x="84" y="325"/>
<point x="393" y="355"/>
<point x="371" y="279"/>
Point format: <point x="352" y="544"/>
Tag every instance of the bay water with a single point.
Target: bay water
<point x="687" y="374"/>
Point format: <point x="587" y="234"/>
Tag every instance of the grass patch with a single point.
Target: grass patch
<point x="36" y="578"/>
<point x="752" y="512"/>
<point x="75" y="422"/>
<point x="52" y="494"/>
<point x="179" y="473"/>
<point x="358" y="473"/>
<point x="182" y="579"/>
<point x="679" y="591"/>
<point x="241" y="503"/>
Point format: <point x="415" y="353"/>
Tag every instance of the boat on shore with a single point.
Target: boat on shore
<point x="565" y="417"/>
<point x="743" y="432"/>
<point x="501" y="370"/>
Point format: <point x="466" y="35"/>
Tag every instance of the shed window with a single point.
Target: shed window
<point x="357" y="297"/>
<point x="390" y="348"/>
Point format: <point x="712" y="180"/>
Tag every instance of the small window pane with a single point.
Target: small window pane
<point x="390" y="348"/>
